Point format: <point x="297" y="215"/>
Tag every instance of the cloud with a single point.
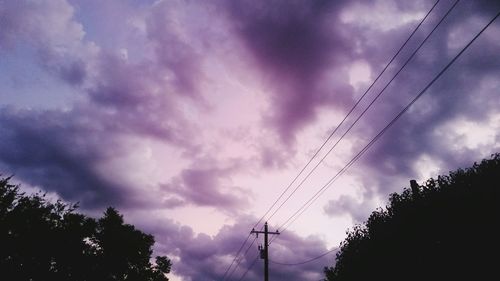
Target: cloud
<point x="44" y="150"/>
<point x="173" y="53"/>
<point x="149" y="83"/>
<point x="71" y="153"/>
<point x="137" y="92"/>
<point x="134" y="96"/>
<point x="121" y="99"/>
<point x="61" y="150"/>
<point x="465" y="91"/>
<point x="202" y="257"/>
<point x="208" y="183"/>
<point x="295" y="45"/>
<point x="50" y="31"/>
<point x="348" y="205"/>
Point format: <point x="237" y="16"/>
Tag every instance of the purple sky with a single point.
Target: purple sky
<point x="191" y="117"/>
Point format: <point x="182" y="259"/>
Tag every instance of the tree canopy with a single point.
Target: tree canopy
<point x="41" y="240"/>
<point x="445" y="229"/>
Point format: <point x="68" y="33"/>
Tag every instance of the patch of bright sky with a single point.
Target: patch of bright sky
<point x="231" y="97"/>
<point x="473" y="134"/>
<point x="312" y="222"/>
<point x="200" y="219"/>
<point x="147" y="161"/>
<point x="468" y="134"/>
<point x="234" y="98"/>
<point x="359" y="74"/>
<point x="151" y="163"/>
<point x="427" y="167"/>
<point x="381" y="15"/>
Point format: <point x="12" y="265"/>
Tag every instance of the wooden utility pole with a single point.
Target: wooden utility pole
<point x="264" y="251"/>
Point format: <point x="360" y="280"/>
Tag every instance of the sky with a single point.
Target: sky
<point x="192" y="117"/>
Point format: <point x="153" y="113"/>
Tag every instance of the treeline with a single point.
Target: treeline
<point x="45" y="241"/>
<point x="445" y="229"/>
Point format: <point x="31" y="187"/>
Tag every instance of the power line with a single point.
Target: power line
<point x="253" y="241"/>
<point x="240" y="259"/>
<point x="404" y="110"/>
<point x="306" y="261"/>
<point x="235" y="257"/>
<point x="387" y="85"/>
<point x="248" y="269"/>
<point x="325" y="142"/>
<point x="377" y="137"/>
<point x="342" y="122"/>
<point x="368" y="107"/>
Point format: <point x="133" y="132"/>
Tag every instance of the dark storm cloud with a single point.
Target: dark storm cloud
<point x="44" y="150"/>
<point x="74" y="73"/>
<point x="59" y="150"/>
<point x="294" y="43"/>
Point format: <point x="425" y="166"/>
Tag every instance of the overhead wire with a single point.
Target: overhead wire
<point x="288" y="264"/>
<point x="377" y="137"/>
<point x="306" y="261"/>
<point x="240" y="259"/>
<point x="386" y="86"/>
<point x="308" y="203"/>
<point x="342" y="122"/>
<point x="235" y="257"/>
<point x="404" y="110"/>
<point x="248" y="268"/>
<point x="326" y="141"/>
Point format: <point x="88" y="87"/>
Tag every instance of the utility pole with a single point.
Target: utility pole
<point x="264" y="251"/>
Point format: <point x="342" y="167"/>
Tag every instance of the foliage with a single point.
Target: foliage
<point x="40" y="240"/>
<point x="446" y="229"/>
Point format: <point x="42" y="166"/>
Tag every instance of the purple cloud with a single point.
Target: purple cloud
<point x="204" y="257"/>
<point x="294" y="44"/>
<point x="209" y="185"/>
<point x="347" y="205"/>
<point x="464" y="92"/>
<point x="47" y="29"/>
<point x="42" y="149"/>
<point x="390" y="163"/>
<point x="179" y="57"/>
<point x="149" y="82"/>
<point x="60" y="150"/>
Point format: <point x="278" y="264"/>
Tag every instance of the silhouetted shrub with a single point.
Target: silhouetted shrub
<point x="446" y="229"/>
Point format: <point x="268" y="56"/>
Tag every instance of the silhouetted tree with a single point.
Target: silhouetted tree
<point x="40" y="240"/>
<point x="447" y="229"/>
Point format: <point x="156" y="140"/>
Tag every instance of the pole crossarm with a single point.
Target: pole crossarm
<point x="264" y="251"/>
<point x="263" y="232"/>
